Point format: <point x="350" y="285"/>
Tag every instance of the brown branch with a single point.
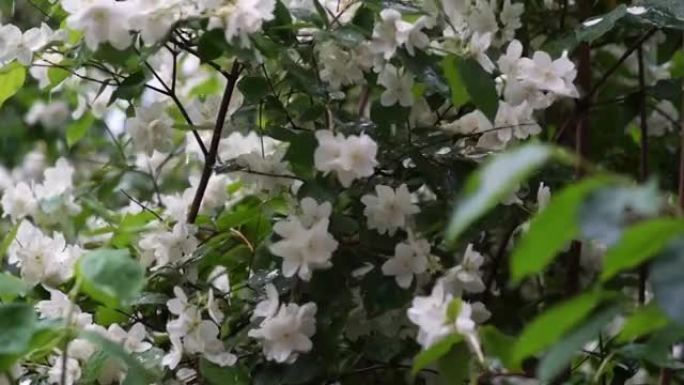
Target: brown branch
<point x="172" y="94"/>
<point x="643" y="161"/>
<point x="210" y="160"/>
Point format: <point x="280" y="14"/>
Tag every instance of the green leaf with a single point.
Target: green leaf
<point x="11" y="287"/>
<point x="216" y="375"/>
<point x="547" y="328"/>
<point x="605" y="212"/>
<point x="552" y="229"/>
<point x="435" y="352"/>
<point x="57" y="75"/>
<point x="639" y="243"/>
<point x="560" y="355"/>
<point x="454" y="366"/>
<point x="493" y="182"/>
<point x="677" y="68"/>
<point x="110" y="276"/>
<point x="136" y="373"/>
<point x="665" y="276"/>
<point x="479" y="84"/>
<point x="499" y="345"/>
<point x="459" y="94"/>
<point x="645" y="320"/>
<point x="21" y="333"/>
<point x="7" y="240"/>
<point x="77" y="130"/>
<point x="12" y="77"/>
<point x="253" y="87"/>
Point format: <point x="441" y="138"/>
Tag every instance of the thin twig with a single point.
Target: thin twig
<point x="214" y="146"/>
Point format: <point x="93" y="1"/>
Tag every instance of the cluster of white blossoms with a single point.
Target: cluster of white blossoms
<point x="15" y="44"/>
<point x="151" y="129"/>
<point x="166" y="32"/>
<point x="59" y="308"/>
<point x="191" y="334"/>
<point x="46" y="202"/>
<point x="285" y="330"/>
<point x="306" y="244"/>
<point x="350" y="157"/>
<point x="42" y="258"/>
<point x="389" y="209"/>
<point x="165" y="246"/>
<point x="111" y="21"/>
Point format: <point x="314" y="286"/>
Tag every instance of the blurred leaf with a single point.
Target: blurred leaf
<point x="605" y="213"/>
<point x="665" y="276"/>
<point x="549" y="327"/>
<point x="640" y="243"/>
<point x="77" y="130"/>
<point x="644" y="321"/>
<point x="454" y="366"/>
<point x="552" y="229"/>
<point x="459" y="94"/>
<point x="499" y="345"/>
<point x="136" y="373"/>
<point x="560" y="355"/>
<point x="110" y="276"/>
<point x="493" y="182"/>
<point x="11" y="287"/>
<point x="12" y="77"/>
<point x="57" y="75"/>
<point x="18" y="325"/>
<point x="216" y="375"/>
<point x="435" y="352"/>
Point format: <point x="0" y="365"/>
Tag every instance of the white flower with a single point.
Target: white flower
<point x="10" y="37"/>
<point x="349" y="158"/>
<point x="19" y="202"/>
<point x="268" y="173"/>
<point x="303" y="250"/>
<point x="170" y="246"/>
<point x="131" y="340"/>
<point x="312" y="212"/>
<point x="203" y="112"/>
<point x="508" y="62"/>
<point x="556" y="76"/>
<point x="339" y="66"/>
<point x="389" y="209"/>
<point x="101" y="21"/>
<point x="478" y="46"/>
<point x="389" y="33"/>
<point x="410" y="258"/>
<point x="41" y="258"/>
<point x="288" y="333"/>
<point x="154" y="18"/>
<point x="510" y="122"/>
<point x="151" y="129"/>
<point x="51" y="116"/>
<point x="471" y="123"/>
<point x="431" y="315"/>
<point x="59" y="306"/>
<point x="510" y="18"/>
<point x="466" y="275"/>
<point x="73" y="371"/>
<point x="398" y="86"/>
<point x="57" y="180"/>
<point x="242" y="18"/>
<point x="268" y="307"/>
<point x="543" y="196"/>
<point x="417" y="39"/>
